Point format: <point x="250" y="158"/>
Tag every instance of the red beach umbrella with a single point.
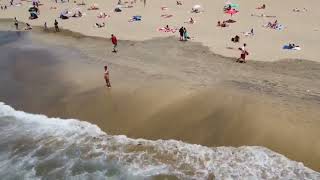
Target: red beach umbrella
<point x="231" y="12"/>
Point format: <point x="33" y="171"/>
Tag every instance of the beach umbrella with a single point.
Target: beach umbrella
<point x="231" y="12"/>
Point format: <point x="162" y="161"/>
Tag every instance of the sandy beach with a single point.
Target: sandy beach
<point x="237" y="117"/>
<point x="301" y="28"/>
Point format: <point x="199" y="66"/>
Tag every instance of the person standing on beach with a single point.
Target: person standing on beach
<point x="45" y="26"/>
<point x="106" y="76"/>
<point x="56" y="27"/>
<point x="114" y="41"/>
<point x="16" y="24"/>
<point x="185" y="34"/>
<point x="181" y="31"/>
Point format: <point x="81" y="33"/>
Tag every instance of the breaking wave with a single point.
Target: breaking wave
<point x="37" y="147"/>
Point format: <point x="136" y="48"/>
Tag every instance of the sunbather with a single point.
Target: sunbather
<point x="223" y="24"/>
<point x="81" y="4"/>
<point x="166" y="15"/>
<point x="77" y="14"/>
<point x="98" y="25"/>
<point x="191" y="21"/>
<point x="179" y="3"/>
<point x="235" y="39"/>
<point x="93" y="7"/>
<point x="28" y="27"/>
<point x="102" y="15"/>
<point x="262" y="7"/>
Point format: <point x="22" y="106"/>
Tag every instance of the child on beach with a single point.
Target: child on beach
<point x="106" y="76"/>
<point x="114" y="41"/>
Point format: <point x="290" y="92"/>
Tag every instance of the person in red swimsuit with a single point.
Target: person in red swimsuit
<point x="114" y="41"/>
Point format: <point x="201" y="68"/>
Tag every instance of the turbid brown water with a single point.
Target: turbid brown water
<point x="166" y="89"/>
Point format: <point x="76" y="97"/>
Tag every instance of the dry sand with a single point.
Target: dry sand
<point x="300" y="28"/>
<point x="163" y="90"/>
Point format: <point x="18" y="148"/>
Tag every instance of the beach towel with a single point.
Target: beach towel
<point x="163" y="8"/>
<point x="166" y="15"/>
<point x="171" y="30"/>
<point x="287" y="47"/>
<point x="135" y="18"/>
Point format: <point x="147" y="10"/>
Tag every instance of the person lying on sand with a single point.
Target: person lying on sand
<point x="248" y="33"/>
<point x="263" y="15"/>
<point x="191" y="21"/>
<point x="93" y="7"/>
<point x="77" y="14"/>
<point x="102" y="15"/>
<point x="98" y="25"/>
<point x="298" y="10"/>
<point x="164" y="8"/>
<point x="28" y="27"/>
<point x="166" y="15"/>
<point x="179" y="3"/>
<point x="167" y="28"/>
<point x="262" y="7"/>
<point x="223" y="24"/>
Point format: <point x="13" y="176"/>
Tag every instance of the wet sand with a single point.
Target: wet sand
<point x="164" y="89"/>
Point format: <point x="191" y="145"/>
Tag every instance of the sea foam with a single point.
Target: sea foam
<point x="37" y="147"/>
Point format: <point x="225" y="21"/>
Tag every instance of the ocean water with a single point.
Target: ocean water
<point x="35" y="146"/>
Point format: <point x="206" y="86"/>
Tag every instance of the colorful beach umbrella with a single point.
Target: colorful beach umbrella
<point x="231" y="12"/>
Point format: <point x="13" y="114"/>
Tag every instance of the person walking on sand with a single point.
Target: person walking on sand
<point x="56" y="26"/>
<point x="16" y="24"/>
<point x="243" y="54"/>
<point x="114" y="41"/>
<point x="106" y="76"/>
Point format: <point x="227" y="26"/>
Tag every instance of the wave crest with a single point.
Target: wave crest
<point x="35" y="146"/>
